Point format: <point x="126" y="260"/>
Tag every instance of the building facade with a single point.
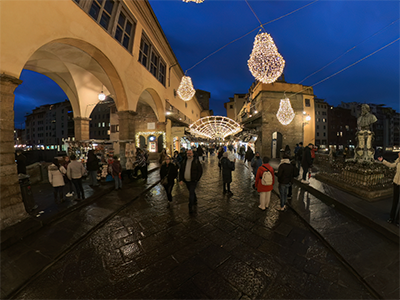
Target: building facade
<point x="342" y="128"/>
<point x="321" y="123"/>
<point x="116" y="47"/>
<point x="48" y="126"/>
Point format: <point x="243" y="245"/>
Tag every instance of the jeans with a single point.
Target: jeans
<point x="93" y="178"/>
<point x="58" y="190"/>
<point x="227" y="186"/>
<point x="283" y="192"/>
<point x="168" y="190"/>
<point x="394" y="212"/>
<point x="305" y="172"/>
<point x="118" y="182"/>
<point x="191" y="186"/>
<point x="79" y="188"/>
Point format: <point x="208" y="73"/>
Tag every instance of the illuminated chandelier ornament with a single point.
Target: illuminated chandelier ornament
<point x="285" y="113"/>
<point x="186" y="90"/>
<point x="213" y="127"/>
<point x="196" y="1"/>
<point x="265" y="63"/>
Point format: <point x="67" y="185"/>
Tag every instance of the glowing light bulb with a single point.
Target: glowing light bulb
<point x="186" y="90"/>
<point x="265" y="63"/>
<point x="285" y="113"/>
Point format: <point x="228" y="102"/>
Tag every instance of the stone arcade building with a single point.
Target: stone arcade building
<point x="114" y="46"/>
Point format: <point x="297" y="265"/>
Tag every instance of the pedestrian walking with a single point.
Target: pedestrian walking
<point x="168" y="173"/>
<point x="201" y="153"/>
<point x="21" y="162"/>
<point x="163" y="155"/>
<point x="249" y="154"/>
<point x="394" y="212"/>
<point x="92" y="166"/>
<point x="227" y="167"/>
<point x="256" y="162"/>
<point x="242" y="152"/>
<point x="56" y="174"/>
<point x="139" y="163"/>
<point x="68" y="183"/>
<point x="285" y="177"/>
<point x="299" y="155"/>
<point x="264" y="187"/>
<point x="220" y="153"/>
<point x="75" y="172"/>
<point x="306" y="162"/>
<point x="190" y="174"/>
<point x="116" y="173"/>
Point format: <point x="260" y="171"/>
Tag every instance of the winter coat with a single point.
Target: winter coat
<point x="169" y="170"/>
<point x="200" y="151"/>
<point x="299" y="154"/>
<point x="92" y="163"/>
<point x="285" y="172"/>
<point x="227" y="168"/>
<point x="249" y="154"/>
<point x="260" y="187"/>
<point x="56" y="175"/>
<point x="306" y="162"/>
<point x="116" y="168"/>
<point x="21" y="164"/>
<point x="255" y="164"/>
<point x="196" y="170"/>
<point x="75" y="170"/>
<point x="396" y="165"/>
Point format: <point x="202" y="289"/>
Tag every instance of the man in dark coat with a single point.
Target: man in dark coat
<point x="21" y="162"/>
<point x="190" y="173"/>
<point x="227" y="168"/>
<point x="285" y="177"/>
<point x="306" y="162"/>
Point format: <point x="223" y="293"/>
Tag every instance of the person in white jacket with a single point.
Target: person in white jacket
<point x="75" y="172"/>
<point x="56" y="174"/>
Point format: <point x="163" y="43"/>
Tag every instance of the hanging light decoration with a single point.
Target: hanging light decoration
<point x="265" y="63"/>
<point x="196" y="1"/>
<point x="186" y="90"/>
<point x="285" y="113"/>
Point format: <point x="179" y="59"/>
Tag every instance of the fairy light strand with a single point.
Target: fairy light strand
<point x="186" y="90"/>
<point x="285" y="113"/>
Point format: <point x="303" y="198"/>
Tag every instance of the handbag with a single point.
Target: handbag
<point x="164" y="181"/>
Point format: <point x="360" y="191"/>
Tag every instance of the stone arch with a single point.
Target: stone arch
<point x="151" y="98"/>
<point x="81" y="70"/>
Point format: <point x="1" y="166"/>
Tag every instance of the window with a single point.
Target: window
<point x="323" y="120"/>
<point x="317" y="133"/>
<point x="153" y="63"/>
<point x="324" y="127"/>
<point x="307" y="102"/>
<point x="231" y="106"/>
<point x="324" y="133"/>
<point x="144" y="52"/>
<point x="149" y="58"/>
<point x="101" y="11"/>
<point x="162" y="72"/>
<point x="104" y="124"/>
<point x="317" y="126"/>
<point x="124" y="30"/>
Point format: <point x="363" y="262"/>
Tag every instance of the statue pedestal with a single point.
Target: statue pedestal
<point x="364" y="151"/>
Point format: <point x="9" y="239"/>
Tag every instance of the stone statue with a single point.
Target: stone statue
<point x="364" y="150"/>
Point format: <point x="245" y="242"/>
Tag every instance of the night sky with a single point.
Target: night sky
<point x="308" y="40"/>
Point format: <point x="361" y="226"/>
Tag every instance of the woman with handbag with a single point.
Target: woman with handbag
<point x="168" y="173"/>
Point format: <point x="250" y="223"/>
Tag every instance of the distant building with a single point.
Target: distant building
<point x="203" y="97"/>
<point x="48" y="126"/>
<point x="234" y="105"/>
<point x="321" y="122"/>
<point x="342" y="127"/>
<point x="99" y="125"/>
<point x="19" y="138"/>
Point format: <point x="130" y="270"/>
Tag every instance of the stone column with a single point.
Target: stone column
<point x="12" y="208"/>
<point x="81" y="128"/>
<point x="126" y="132"/>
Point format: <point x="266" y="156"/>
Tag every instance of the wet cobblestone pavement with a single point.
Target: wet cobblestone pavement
<point x="228" y="249"/>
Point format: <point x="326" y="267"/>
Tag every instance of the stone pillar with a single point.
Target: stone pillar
<point x="126" y="132"/>
<point x="81" y="128"/>
<point x="12" y="208"/>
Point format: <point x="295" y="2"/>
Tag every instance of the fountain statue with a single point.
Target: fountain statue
<point x="364" y="151"/>
<point x="360" y="175"/>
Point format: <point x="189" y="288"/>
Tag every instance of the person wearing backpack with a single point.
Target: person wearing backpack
<point x="285" y="177"/>
<point x="265" y="183"/>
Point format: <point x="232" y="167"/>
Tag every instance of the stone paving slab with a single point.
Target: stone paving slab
<point x="228" y="249"/>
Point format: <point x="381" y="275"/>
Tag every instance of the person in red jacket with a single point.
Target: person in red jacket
<point x="264" y="190"/>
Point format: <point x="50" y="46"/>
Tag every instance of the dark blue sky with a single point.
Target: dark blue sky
<point x="308" y="40"/>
